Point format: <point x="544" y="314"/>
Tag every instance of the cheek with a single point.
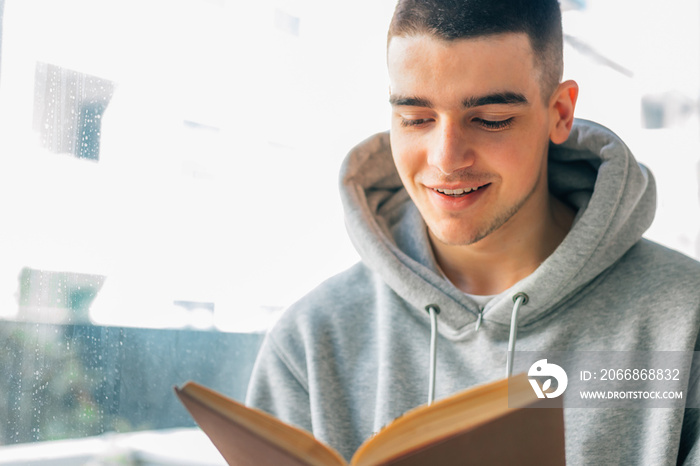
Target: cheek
<point x="525" y="171"/>
<point x="518" y="162"/>
<point x="405" y="167"/>
<point x="407" y="157"/>
<point x="518" y="151"/>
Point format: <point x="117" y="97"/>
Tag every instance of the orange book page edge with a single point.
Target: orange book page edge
<point x="297" y="442"/>
<point x="443" y="418"/>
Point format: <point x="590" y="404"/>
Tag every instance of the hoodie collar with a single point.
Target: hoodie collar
<point x="593" y="171"/>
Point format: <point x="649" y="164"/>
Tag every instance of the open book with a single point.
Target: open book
<point x="482" y="425"/>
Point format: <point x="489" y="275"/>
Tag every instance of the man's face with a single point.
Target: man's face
<point x="469" y="133"/>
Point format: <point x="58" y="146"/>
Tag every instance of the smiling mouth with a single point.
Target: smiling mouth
<point x="458" y="192"/>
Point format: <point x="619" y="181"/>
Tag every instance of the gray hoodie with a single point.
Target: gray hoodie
<point x="353" y="354"/>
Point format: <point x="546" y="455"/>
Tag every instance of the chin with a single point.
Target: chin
<point x="455" y="236"/>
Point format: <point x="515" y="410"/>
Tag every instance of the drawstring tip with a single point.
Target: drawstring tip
<point x="478" y="320"/>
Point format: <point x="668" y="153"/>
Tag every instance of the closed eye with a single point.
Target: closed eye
<point x="494" y="125"/>
<point x="417" y="122"/>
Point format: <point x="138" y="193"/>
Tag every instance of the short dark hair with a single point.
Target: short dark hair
<point x="450" y="20"/>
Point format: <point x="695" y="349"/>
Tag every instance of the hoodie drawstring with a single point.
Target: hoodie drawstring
<point x="518" y="300"/>
<point x="434" y="311"/>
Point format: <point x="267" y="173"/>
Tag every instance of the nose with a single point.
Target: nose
<point x="450" y="150"/>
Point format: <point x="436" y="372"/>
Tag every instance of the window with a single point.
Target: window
<point x="168" y="185"/>
<point x="152" y="230"/>
<point x="640" y="78"/>
<point x="68" y="108"/>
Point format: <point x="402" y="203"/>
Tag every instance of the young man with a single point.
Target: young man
<point x="486" y="198"/>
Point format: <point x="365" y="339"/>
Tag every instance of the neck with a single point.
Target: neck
<point x="508" y="254"/>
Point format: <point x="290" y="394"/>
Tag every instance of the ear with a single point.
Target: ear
<point x="561" y="109"/>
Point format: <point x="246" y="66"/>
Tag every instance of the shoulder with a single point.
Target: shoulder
<point x="333" y="322"/>
<point x="654" y="273"/>
<point x="665" y="265"/>
<point x="337" y="305"/>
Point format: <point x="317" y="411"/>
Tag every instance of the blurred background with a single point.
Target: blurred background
<point x="168" y="185"/>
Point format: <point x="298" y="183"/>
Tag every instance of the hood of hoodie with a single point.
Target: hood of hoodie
<point x="593" y="171"/>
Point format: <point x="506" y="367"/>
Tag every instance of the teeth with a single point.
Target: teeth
<point x="455" y="192"/>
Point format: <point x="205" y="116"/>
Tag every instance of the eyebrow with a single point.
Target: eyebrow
<point x="401" y="101"/>
<point x="497" y="98"/>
